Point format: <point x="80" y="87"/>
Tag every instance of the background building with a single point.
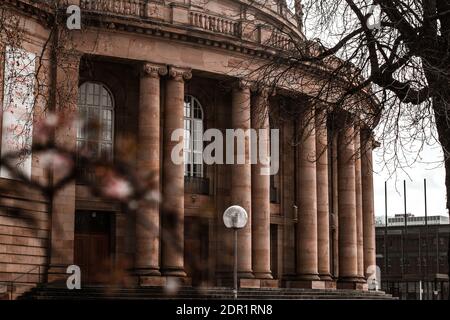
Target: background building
<point x="413" y="256"/>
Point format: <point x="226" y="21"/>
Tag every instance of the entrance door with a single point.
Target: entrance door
<point x="93" y="245"/>
<point x="196" y="245"/>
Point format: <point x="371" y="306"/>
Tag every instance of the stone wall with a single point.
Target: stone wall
<point x="24" y="236"/>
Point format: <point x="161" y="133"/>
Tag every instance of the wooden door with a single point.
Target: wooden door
<point x="92" y="252"/>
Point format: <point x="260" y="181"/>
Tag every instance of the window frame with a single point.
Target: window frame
<point x="190" y="148"/>
<point x="100" y="140"/>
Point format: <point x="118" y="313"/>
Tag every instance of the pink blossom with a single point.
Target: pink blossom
<point x="117" y="188"/>
<point x="51" y="120"/>
<point x="59" y="162"/>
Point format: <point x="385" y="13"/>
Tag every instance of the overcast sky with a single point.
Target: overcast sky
<point x="430" y="167"/>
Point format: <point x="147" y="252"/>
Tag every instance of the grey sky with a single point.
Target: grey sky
<point x="426" y="168"/>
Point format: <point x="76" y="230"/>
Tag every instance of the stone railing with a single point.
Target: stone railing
<point x="122" y="7"/>
<point x="280" y="41"/>
<point x="214" y="23"/>
<point x="184" y="15"/>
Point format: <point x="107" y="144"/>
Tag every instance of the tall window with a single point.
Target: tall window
<point x="96" y="126"/>
<point x="193" y="137"/>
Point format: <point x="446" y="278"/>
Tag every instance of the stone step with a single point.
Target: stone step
<point x="107" y="293"/>
<point x="209" y="298"/>
<point x="259" y="295"/>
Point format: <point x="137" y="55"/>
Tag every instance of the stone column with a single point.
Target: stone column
<point x="148" y="163"/>
<point x="359" y="209"/>
<point x="222" y="235"/>
<point x="241" y="177"/>
<point x="261" y="190"/>
<point x="323" y="216"/>
<point x="334" y="219"/>
<point x="307" y="262"/>
<point x="367" y="200"/>
<point x="172" y="262"/>
<point x="348" y="262"/>
<point x="62" y="207"/>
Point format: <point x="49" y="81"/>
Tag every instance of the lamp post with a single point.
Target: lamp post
<point x="235" y="217"/>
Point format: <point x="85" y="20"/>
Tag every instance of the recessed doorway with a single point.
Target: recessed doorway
<point x="93" y="245"/>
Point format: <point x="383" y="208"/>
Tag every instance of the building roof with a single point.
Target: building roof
<point x="399" y="220"/>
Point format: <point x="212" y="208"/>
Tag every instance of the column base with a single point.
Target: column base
<point x="330" y="282"/>
<point x="148" y="277"/>
<point x="263" y="275"/>
<point x="173" y="272"/>
<point x="325" y="277"/>
<point x="163" y="281"/>
<point x="306" y="284"/>
<point x="352" y="283"/>
<point x="250" y="283"/>
<point x="147" y="271"/>
<point x="245" y="275"/>
<point x="307" y="276"/>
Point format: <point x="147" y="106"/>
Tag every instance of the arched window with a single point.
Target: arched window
<point x="193" y="137"/>
<point x="95" y="132"/>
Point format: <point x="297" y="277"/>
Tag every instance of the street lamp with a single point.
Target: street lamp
<point x="235" y="217"/>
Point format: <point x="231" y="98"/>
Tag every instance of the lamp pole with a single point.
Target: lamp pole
<point x="235" y="230"/>
<point x="235" y="217"/>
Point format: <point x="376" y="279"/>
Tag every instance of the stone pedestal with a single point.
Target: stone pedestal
<point x="352" y="284"/>
<point x="162" y="281"/>
<point x="330" y="284"/>
<point x="250" y="283"/>
<point x="306" y="284"/>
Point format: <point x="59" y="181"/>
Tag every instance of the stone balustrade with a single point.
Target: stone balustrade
<point x="232" y="23"/>
<point x="214" y="23"/>
<point x="280" y="41"/>
<point x="122" y="7"/>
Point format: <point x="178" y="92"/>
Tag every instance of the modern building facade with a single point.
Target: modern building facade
<point x="145" y="69"/>
<point x="414" y="257"/>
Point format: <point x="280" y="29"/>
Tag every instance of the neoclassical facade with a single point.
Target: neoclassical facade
<point x="144" y="69"/>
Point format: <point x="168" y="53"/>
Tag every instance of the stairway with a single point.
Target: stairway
<point x="47" y="292"/>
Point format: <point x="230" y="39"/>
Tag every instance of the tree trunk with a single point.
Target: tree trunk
<point x="442" y="115"/>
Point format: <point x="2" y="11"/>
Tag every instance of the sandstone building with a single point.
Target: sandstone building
<point x="146" y="68"/>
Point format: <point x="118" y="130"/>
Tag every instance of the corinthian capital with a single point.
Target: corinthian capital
<point x="180" y="74"/>
<point x="153" y="70"/>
